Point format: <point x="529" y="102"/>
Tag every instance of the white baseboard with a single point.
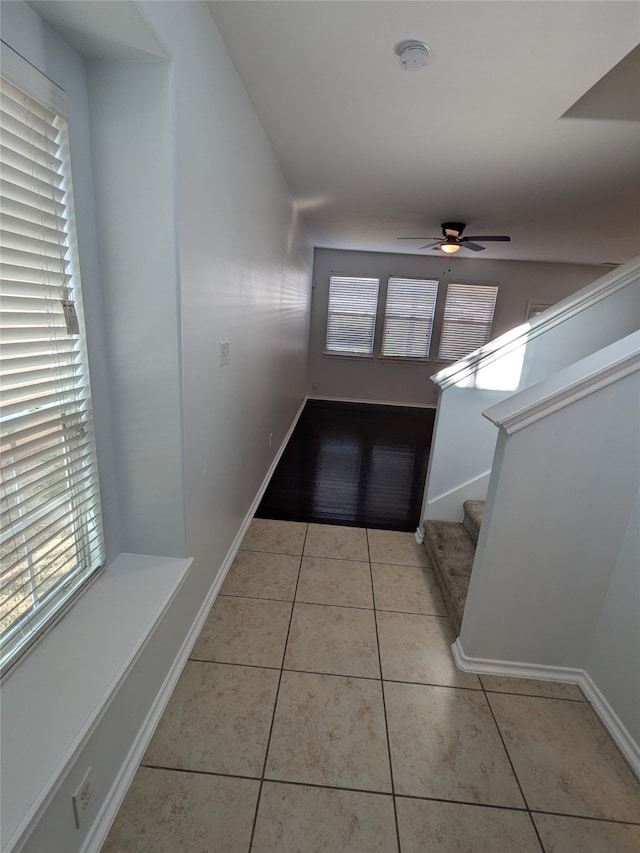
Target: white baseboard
<point x="569" y="675"/>
<point x="612" y="723"/>
<point x="263" y="487"/>
<point x="513" y="669"/>
<point x="112" y="802"/>
<point x="448" y="505"/>
<point x="323" y="398"/>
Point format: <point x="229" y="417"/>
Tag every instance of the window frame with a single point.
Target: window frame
<point x="432" y="285"/>
<point x="380" y="317"/>
<point x="458" y="321"/>
<point x="341" y="279"/>
<point x="79" y="500"/>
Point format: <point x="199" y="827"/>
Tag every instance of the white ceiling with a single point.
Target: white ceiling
<point x="372" y="153"/>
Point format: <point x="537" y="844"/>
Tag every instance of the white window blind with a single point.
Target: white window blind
<point x="351" y="319"/>
<point x="408" y="317"/>
<point x="51" y="540"/>
<point x="468" y="316"/>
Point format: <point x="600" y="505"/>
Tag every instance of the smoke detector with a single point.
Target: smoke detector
<point x="413" y="54"/>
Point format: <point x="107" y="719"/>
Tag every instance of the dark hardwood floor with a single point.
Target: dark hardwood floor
<point x="353" y="464"/>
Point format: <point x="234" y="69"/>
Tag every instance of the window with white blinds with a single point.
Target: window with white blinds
<point x="468" y="316"/>
<point x="408" y="317"/>
<point x="351" y="318"/>
<point x="51" y="540"/>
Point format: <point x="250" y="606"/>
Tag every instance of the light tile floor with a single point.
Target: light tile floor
<point x="321" y="710"/>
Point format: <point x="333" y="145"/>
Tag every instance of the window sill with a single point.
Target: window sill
<point x="388" y="358"/>
<point x="404" y="359"/>
<point x="349" y="356"/>
<point x="54" y="698"/>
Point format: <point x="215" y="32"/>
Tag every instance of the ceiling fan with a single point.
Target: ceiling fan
<point x="452" y="240"/>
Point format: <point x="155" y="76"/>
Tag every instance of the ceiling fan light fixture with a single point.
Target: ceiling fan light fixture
<point x="450" y="247"/>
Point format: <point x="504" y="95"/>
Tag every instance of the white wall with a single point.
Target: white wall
<point x="380" y="380"/>
<point x="244" y="278"/>
<point x="464" y="442"/>
<point x="555" y="578"/>
<point x="132" y="135"/>
<point x="557" y="510"/>
<point x="198" y="243"/>
<point x="617" y="634"/>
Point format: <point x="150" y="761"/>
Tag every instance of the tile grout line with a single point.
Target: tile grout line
<point x="384" y="704"/>
<point x="322" y="787"/>
<point x="275" y="704"/>
<point x="369" y="562"/>
<point x="347" y="606"/>
<point x="385" y="680"/>
<point x="511" y="764"/>
<point x="487" y="692"/>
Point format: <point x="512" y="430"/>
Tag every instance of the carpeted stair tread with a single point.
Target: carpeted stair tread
<point x="473" y="512"/>
<point x="451" y="552"/>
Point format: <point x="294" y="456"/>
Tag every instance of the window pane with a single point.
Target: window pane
<point x="51" y="538"/>
<point x="409" y="311"/>
<point x="468" y="316"/>
<point x="351" y="319"/>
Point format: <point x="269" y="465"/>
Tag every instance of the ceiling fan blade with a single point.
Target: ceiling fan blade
<point x="467" y="244"/>
<point x="502" y="239"/>
<point x="431" y="245"/>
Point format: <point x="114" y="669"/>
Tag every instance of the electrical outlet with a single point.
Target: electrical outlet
<point x="314" y="386"/>
<point x="225" y="347"/>
<point x="270" y="439"/>
<point x="82" y="799"/>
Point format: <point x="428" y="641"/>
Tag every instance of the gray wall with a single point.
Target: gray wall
<point x="382" y="380"/>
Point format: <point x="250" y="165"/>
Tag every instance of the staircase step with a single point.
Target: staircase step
<point x="473" y="512"/>
<point x="451" y="552"/>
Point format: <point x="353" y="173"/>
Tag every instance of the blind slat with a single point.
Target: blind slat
<point x="30" y="504"/>
<point x="41" y="148"/>
<point x="65" y="569"/>
<point x="46" y="192"/>
<point x="33" y="164"/>
<point x="40" y="423"/>
<point x="39" y="261"/>
<point x="43" y="349"/>
<point x="56" y="522"/>
<point x="46" y="205"/>
<point x="40" y="417"/>
<point x="31" y="335"/>
<point x="14" y="380"/>
<point x="66" y="394"/>
<point x="39" y="524"/>
<point x="48" y="274"/>
<point x="27" y="476"/>
<point x="20" y="105"/>
<point x="32" y="217"/>
<point x="23" y="243"/>
<point x="16" y="225"/>
<point x="20" y="366"/>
